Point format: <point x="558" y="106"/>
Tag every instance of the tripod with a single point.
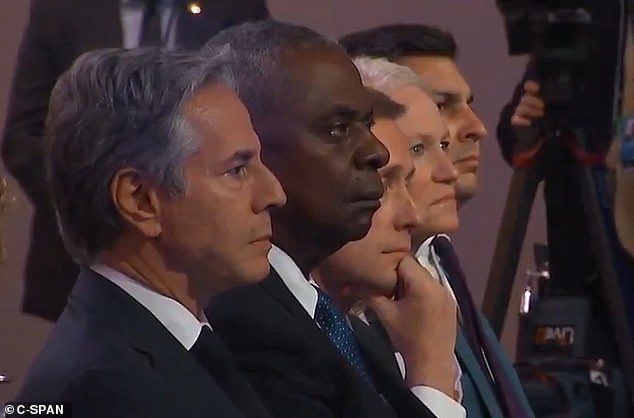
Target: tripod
<point x="538" y="153"/>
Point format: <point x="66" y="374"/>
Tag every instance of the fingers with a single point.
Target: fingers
<point x="520" y="121"/>
<point x="530" y="107"/>
<point x="409" y="269"/>
<point x="531" y="87"/>
<point x="384" y="308"/>
<point x="530" y="103"/>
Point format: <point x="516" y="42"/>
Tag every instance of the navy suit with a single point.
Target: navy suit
<point x="479" y="399"/>
<point x="110" y="357"/>
<point x="294" y="366"/>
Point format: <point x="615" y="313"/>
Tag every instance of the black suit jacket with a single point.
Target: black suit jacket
<point x="59" y="31"/>
<point x="110" y="357"/>
<point x="295" y="368"/>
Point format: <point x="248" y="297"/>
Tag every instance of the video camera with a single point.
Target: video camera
<point x="576" y="52"/>
<point x="575" y="348"/>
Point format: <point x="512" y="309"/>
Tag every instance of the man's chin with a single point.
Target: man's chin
<point x="466" y="188"/>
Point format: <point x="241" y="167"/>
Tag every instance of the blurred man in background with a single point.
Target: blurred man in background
<point x="57" y="32"/>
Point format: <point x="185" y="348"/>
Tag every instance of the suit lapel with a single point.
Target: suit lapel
<point x="507" y="366"/>
<point x="112" y="310"/>
<point x="471" y="366"/>
<point x="354" y="391"/>
<point x="375" y="352"/>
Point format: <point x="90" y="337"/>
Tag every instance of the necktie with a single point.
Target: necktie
<point x="151" y="28"/>
<point x="334" y="323"/>
<point x="216" y="359"/>
<point x="472" y="328"/>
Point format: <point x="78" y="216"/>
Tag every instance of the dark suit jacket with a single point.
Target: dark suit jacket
<point x="110" y="357"/>
<point x="478" y="397"/>
<point x="293" y="365"/>
<point x="59" y="31"/>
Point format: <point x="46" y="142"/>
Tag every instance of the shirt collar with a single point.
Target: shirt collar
<point x="177" y="319"/>
<point x="294" y="279"/>
<point x="427" y="257"/>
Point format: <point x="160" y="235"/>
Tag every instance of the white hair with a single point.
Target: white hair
<point x="385" y="76"/>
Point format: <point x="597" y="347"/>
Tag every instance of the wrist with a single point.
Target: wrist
<point x="438" y="374"/>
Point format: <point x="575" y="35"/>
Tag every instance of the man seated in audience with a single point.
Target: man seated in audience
<point x="314" y="118"/>
<point x="431" y="53"/>
<point x="163" y="200"/>
<point x="372" y="269"/>
<point x="489" y="384"/>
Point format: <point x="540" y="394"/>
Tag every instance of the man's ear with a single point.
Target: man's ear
<point x="137" y="202"/>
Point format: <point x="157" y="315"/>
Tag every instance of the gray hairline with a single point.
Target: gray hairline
<point x="386" y="76"/>
<point x="183" y="141"/>
<point x="213" y="71"/>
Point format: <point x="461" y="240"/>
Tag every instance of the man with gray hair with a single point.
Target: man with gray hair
<point x="163" y="200"/>
<point x="485" y="382"/>
<point x="314" y="118"/>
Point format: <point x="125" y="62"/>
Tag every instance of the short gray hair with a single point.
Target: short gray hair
<point x="261" y="77"/>
<point x="116" y="109"/>
<point x="385" y="76"/>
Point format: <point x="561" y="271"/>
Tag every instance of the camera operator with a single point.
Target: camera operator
<point x="564" y="211"/>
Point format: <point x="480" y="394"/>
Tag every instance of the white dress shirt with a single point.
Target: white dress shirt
<point x="176" y="318"/>
<point x="440" y="404"/>
<point x="132" y="12"/>
<point x="427" y="257"/>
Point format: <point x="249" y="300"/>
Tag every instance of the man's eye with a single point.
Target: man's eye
<point x="418" y="149"/>
<point x="370" y="123"/>
<point x="444" y="145"/>
<point x="442" y="106"/>
<point x="237" y="171"/>
<point x="340" y="130"/>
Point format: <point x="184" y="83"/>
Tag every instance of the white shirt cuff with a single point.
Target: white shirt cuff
<point x="438" y="403"/>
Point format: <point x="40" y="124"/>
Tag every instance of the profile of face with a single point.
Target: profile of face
<point x="623" y="198"/>
<point x="325" y="155"/>
<point x="218" y="232"/>
<point x="454" y="98"/>
<point x="433" y="185"/>
<point x="369" y="264"/>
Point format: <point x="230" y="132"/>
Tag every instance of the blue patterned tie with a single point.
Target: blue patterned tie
<point x="334" y="323"/>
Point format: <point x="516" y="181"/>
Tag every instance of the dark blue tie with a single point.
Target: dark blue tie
<point x="472" y="327"/>
<point x="334" y="323"/>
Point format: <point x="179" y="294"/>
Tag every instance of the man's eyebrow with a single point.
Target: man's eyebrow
<point x="240" y="156"/>
<point x="452" y="97"/>
<point x="343" y="110"/>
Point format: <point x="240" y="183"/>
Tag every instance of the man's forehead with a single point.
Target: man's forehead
<point x="325" y="77"/>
